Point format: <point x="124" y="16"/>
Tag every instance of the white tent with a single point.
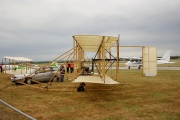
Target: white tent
<point x="18" y="58"/>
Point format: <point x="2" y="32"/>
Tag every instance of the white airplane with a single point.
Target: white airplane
<point x="136" y="61"/>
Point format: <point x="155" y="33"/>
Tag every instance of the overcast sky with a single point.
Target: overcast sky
<point x="43" y="29"/>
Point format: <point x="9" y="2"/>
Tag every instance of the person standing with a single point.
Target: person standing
<point x="67" y="67"/>
<point x="61" y="67"/>
<point x="62" y="72"/>
<point x="71" y="66"/>
<point x="1" y="68"/>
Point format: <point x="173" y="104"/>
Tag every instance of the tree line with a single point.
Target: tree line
<point x="174" y="57"/>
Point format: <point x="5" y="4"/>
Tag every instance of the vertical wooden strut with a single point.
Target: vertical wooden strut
<point x="117" y="61"/>
<point x="142" y="61"/>
<point x="75" y="56"/>
<point x="76" y="60"/>
<point x="74" y="51"/>
<point x="103" y="59"/>
<point x="99" y="62"/>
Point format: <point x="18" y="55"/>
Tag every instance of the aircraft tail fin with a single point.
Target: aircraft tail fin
<point x="166" y="56"/>
<point x="53" y="64"/>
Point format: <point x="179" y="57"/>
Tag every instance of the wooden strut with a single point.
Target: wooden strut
<point x="17" y="81"/>
<point x="47" y="64"/>
<point x="40" y="68"/>
<point x="49" y="82"/>
<point x="68" y="57"/>
<point x="40" y="88"/>
<point x="46" y="87"/>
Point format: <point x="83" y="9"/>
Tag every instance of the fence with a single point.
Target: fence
<point x="8" y="112"/>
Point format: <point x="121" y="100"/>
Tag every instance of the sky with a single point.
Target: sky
<point x="43" y="29"/>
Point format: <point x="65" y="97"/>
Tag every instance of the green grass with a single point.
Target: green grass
<point x="136" y="97"/>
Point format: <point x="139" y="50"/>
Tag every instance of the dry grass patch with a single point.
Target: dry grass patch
<point x="136" y="97"/>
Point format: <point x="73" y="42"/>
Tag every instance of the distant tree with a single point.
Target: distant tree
<point x="174" y="57"/>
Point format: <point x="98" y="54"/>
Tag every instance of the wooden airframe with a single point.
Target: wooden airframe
<point x="101" y="46"/>
<point x="102" y="61"/>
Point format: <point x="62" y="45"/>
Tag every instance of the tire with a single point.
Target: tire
<point x="28" y="82"/>
<point x="80" y="88"/>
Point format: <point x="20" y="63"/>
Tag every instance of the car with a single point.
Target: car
<point x="42" y="75"/>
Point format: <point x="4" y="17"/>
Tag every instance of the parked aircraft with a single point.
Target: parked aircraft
<point x="137" y="61"/>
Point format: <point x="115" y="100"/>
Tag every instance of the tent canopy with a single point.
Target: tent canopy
<point x="18" y="58"/>
<point x="91" y="43"/>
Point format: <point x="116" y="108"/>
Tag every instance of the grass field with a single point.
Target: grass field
<point x="135" y="98"/>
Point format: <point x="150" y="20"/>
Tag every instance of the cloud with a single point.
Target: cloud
<point x="43" y="29"/>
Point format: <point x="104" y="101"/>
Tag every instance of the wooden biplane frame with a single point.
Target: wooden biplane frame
<point x="103" y="59"/>
<point x="101" y="46"/>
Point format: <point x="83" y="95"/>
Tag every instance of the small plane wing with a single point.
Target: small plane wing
<point x="132" y="58"/>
